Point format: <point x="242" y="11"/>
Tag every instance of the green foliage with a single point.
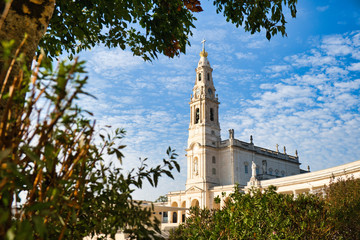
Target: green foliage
<point x="259" y="215"/>
<point x="257" y="14"/>
<point x="149" y="27"/>
<point x="54" y="182"/>
<point x="343" y="197"/>
<point x="163" y="198"/>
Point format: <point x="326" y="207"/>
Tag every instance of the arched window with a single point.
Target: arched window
<point x="246" y="165"/>
<point x="197" y="115"/>
<point x="283" y="173"/>
<point x="211" y="114"/>
<point x="277" y="172"/>
<point x="199" y="76"/>
<point x="213" y="159"/>
<point x="270" y="171"/>
<point x="208" y="76"/>
<point x="214" y="171"/>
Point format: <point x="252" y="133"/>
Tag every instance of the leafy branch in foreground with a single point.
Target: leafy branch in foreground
<point x="257" y="15"/>
<point x="54" y="182"/>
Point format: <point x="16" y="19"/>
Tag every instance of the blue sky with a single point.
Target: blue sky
<point x="301" y="91"/>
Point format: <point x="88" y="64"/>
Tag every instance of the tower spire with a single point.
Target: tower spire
<point x="204" y="127"/>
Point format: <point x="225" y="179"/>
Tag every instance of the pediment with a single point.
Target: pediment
<point x="193" y="189"/>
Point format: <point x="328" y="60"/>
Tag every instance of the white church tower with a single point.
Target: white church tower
<point x="204" y="128"/>
<point x="216" y="165"/>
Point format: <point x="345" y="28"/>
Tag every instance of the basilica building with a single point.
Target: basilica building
<point x="216" y="165"/>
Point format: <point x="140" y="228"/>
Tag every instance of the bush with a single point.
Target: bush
<point x="259" y="215"/>
<point x="343" y="197"/>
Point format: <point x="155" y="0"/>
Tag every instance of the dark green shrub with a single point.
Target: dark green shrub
<point x="260" y="215"/>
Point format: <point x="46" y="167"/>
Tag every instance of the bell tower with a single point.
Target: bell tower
<point x="204" y="127"/>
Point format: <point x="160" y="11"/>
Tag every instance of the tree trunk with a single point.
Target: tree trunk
<point x="24" y="17"/>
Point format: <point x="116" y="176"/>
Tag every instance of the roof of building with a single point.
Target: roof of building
<point x="259" y="150"/>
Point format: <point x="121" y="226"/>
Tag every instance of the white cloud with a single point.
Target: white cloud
<point x="322" y="8"/>
<point x="335" y="40"/>
<point x="177" y="84"/>
<point x="336" y="71"/>
<point x="334" y="49"/>
<point x="311" y="79"/>
<point x="336" y="45"/>
<point x="350" y="85"/>
<point x="256" y="44"/>
<point x="104" y="61"/>
<point x="277" y="68"/>
<point x="308" y="110"/>
<point x="211" y="35"/>
<point x="356" y="40"/>
<point x="354" y="67"/>
<point x="305" y="60"/>
<point x="248" y="55"/>
<point x="266" y="86"/>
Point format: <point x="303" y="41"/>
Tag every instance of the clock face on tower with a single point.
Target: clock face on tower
<point x="210" y="92"/>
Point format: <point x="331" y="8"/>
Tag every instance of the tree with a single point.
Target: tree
<point x="259" y="215"/>
<point x="163" y="198"/>
<point x="343" y="196"/>
<point x="147" y="27"/>
<point x="54" y="182"/>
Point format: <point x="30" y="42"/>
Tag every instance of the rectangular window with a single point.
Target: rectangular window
<point x="246" y="169"/>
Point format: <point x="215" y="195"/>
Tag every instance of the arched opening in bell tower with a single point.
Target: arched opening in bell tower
<point x="197" y="115"/>
<point x="211" y="114"/>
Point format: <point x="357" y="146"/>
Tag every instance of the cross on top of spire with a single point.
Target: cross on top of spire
<point x="203" y="43"/>
<point x="203" y="53"/>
